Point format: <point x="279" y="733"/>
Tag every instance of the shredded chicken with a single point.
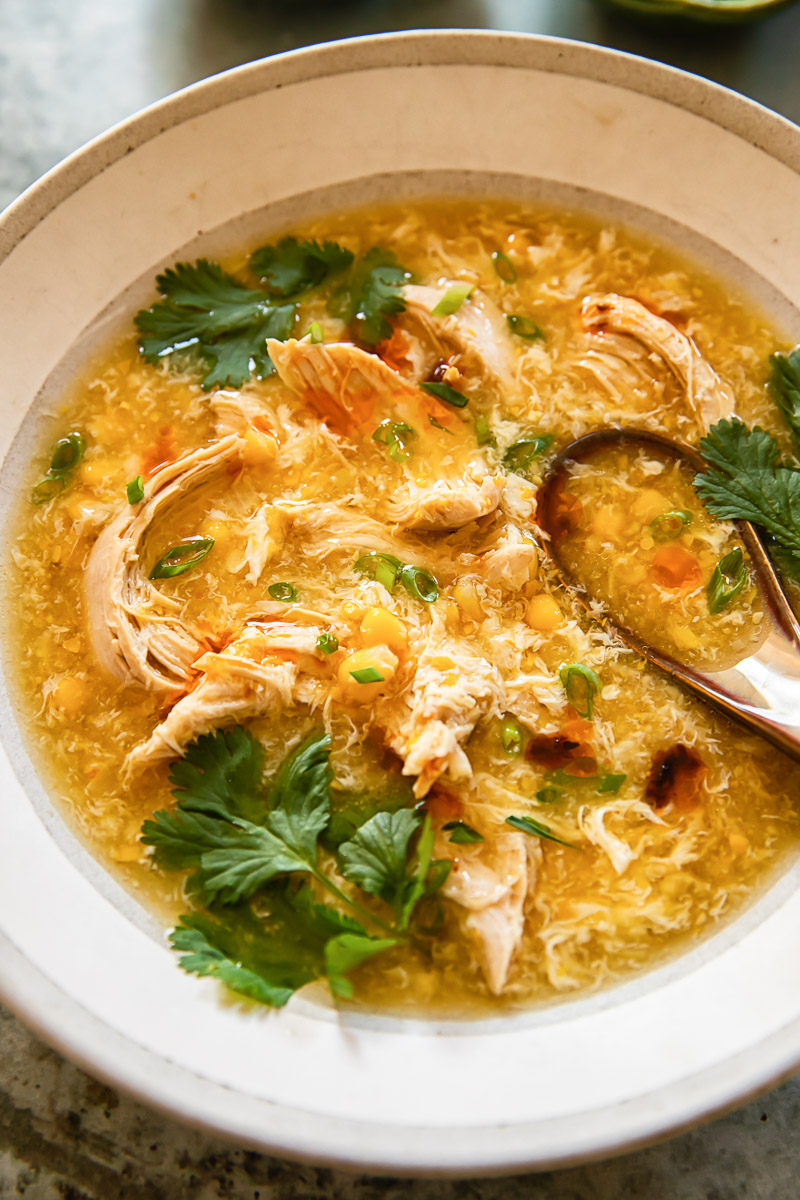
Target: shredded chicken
<point x="270" y="665"/>
<point x="137" y="631"/>
<point x="511" y="561"/>
<point x="708" y="397"/>
<point x="477" y="332"/>
<point x="492" y="880"/>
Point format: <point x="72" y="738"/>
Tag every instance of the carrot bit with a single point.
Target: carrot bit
<point x="675" y="568"/>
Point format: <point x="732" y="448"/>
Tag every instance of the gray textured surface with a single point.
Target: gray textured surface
<point x="68" y="70"/>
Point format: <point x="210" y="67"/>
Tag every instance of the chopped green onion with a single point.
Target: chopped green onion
<point x="525" y="328"/>
<point x="388" y="570"/>
<point x="536" y="829"/>
<point x="437" y="425"/>
<point x="135" y="490"/>
<point x="670" y="524"/>
<point x="395" y="435"/>
<point x="511" y="736"/>
<point x="443" y="391"/>
<point x="181" y="558"/>
<point x="420" y="584"/>
<point x="67" y="453"/>
<point x="483" y="432"/>
<point x="521" y="454"/>
<point x="314" y="333"/>
<point x="504" y="267"/>
<point x="611" y="783"/>
<point x="548" y="795"/>
<point x="452" y="300"/>
<point x="282" y="591"/>
<point x="328" y="643"/>
<point x="728" y="579"/>
<point x="461" y="833"/>
<point x="367" y="675"/>
<point x="581" y="685"/>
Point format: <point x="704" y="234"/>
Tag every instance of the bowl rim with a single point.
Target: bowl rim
<point x="152" y="1079"/>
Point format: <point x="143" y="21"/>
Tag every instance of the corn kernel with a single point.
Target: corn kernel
<point x="380" y="659"/>
<point x="739" y="843"/>
<point x="543" y="613"/>
<point x="73" y="644"/>
<point x="379" y="626"/>
<point x="466" y="597"/>
<point x="69" y="696"/>
<point x="349" y="609"/>
<point x="442" y="663"/>
<point x="260" y="449"/>
<point x="94" y="473"/>
<point x="650" y="504"/>
<point x="607" y="522"/>
<point x="219" y="531"/>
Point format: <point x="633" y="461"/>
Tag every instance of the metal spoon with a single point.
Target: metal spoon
<point x="761" y="690"/>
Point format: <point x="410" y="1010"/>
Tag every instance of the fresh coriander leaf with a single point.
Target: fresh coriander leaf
<point x="415" y="888"/>
<point x="300" y="796"/>
<point x="182" y="838"/>
<point x="248" y="857"/>
<point x="220" y="775"/>
<point x="375" y="859"/>
<point x="211" y="312"/>
<point x="748" y="482"/>
<point x="347" y="951"/>
<point x="372" y="294"/>
<point x="784" y="384"/>
<point x="462" y="834"/>
<point x="521" y="454"/>
<point x="290" y="267"/>
<point x="788" y="561"/>
<point x="212" y="949"/>
<point x="536" y="829"/>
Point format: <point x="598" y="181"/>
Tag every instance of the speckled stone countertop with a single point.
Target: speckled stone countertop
<point x="68" y="70"/>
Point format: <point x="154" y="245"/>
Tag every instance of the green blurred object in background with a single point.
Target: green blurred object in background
<point x="708" y="11"/>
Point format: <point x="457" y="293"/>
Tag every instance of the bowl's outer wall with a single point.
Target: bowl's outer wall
<point x="546" y="1087"/>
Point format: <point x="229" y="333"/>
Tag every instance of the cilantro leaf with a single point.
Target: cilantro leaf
<point x="748" y="482"/>
<point x="346" y="952"/>
<point x="784" y="384"/>
<point x="223" y="321"/>
<point x="221" y="776"/>
<point x="300" y="796"/>
<point x="372" y="295"/>
<point x="375" y="859"/>
<point x="291" y="267"/>
<point x="236" y="953"/>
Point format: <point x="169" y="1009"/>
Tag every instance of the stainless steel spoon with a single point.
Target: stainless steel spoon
<point x="761" y="690"/>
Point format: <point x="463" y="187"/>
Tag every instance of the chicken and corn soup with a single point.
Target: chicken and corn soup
<point x="293" y="653"/>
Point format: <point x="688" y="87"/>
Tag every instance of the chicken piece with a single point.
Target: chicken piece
<point x="491" y="880"/>
<point x="478" y="332"/>
<point x="511" y="561"/>
<point x="354" y="391"/>
<point x="447" y="503"/>
<point x="236" y="413"/>
<point x="451" y="690"/>
<point x="137" y="631"/>
<point x="269" y="666"/>
<point x="708" y="397"/>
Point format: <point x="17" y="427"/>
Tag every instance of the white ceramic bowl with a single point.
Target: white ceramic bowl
<point x="80" y="960"/>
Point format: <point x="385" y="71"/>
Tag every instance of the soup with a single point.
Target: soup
<point x="292" y="654"/>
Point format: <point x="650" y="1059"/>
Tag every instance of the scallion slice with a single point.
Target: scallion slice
<point x="135" y="490"/>
<point x="461" y="833"/>
<point x="419" y="583"/>
<point x="504" y="267"/>
<point x="483" y="432"/>
<point x="437" y="425"/>
<point x="181" y="558"/>
<point x="452" y="300"/>
<point x="670" y="524"/>
<point x="728" y="579"/>
<point x="314" y="333"/>
<point x="525" y="328"/>
<point x="548" y="795"/>
<point x="328" y="643"/>
<point x="395" y="435"/>
<point x="67" y="453"/>
<point x="367" y="675"/>
<point x="521" y="454"/>
<point x="611" y="783"/>
<point x="443" y="391"/>
<point x="581" y="685"/>
<point x="388" y="570"/>
<point x="282" y="591"/>
<point x="536" y="829"/>
<point x="511" y="736"/>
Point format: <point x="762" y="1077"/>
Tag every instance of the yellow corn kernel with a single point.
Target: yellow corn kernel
<point x="73" y="644"/>
<point x="219" y="531"/>
<point x="543" y="613"/>
<point x="379" y="626"/>
<point x="607" y="522"/>
<point x="260" y="449"/>
<point x="739" y="843"/>
<point x="69" y="695"/>
<point x="380" y="659"/>
<point x="466" y="597"/>
<point x="650" y="504"/>
<point x="350" y="610"/>
<point x="442" y="663"/>
<point x="94" y="473"/>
